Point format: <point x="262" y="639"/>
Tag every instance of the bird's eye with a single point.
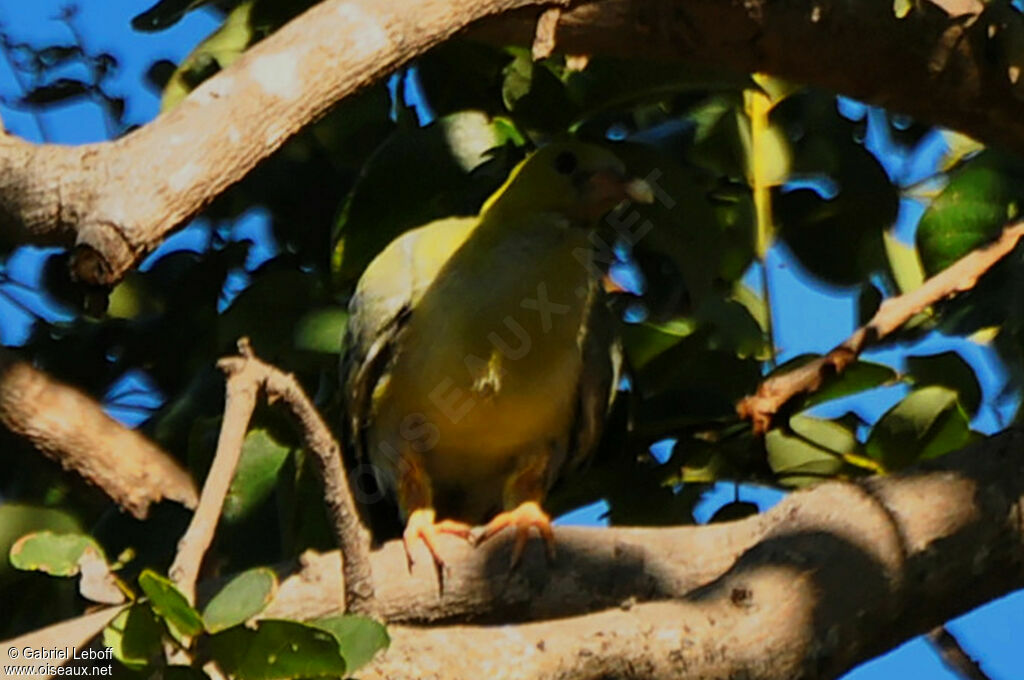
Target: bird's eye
<point x="566" y="162"/>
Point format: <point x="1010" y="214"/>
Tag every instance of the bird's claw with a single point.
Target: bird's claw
<point x="522" y="518"/>
<point x="422" y="526"/>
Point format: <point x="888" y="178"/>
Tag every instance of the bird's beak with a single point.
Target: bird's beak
<point x="609" y="187"/>
<point x="639" y="190"/>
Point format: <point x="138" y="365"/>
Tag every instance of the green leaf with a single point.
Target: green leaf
<point x="416" y="176"/>
<point x="132" y="298"/>
<point x="868" y="301"/>
<point x="534" y="95"/>
<point x="277" y="650"/>
<point x="242" y="598"/>
<point x="135" y="637"/>
<point x="458" y="75"/>
<point x="754" y="303"/>
<point x="218" y="51"/>
<point x="927" y="423"/>
<point x="700" y="233"/>
<point x="51" y="553"/>
<point x="256" y="474"/>
<point x="359" y="637"/>
<point x="169" y="604"/>
<point x="858" y="376"/>
<point x="699" y="461"/>
<point x="690" y="364"/>
<point x="690" y="384"/>
<point x="17" y="520"/>
<point x="836" y="237"/>
<point x="827" y="434"/>
<point x="717" y="144"/>
<point x="268" y="310"/>
<point x="949" y="370"/>
<point x="798" y="462"/>
<point x="248" y="22"/>
<point x="731" y="326"/>
<point x="904" y="263"/>
<point x="320" y="330"/>
<point x="644" y="341"/>
<point x="982" y="196"/>
<point x="611" y="82"/>
<point x="770" y="163"/>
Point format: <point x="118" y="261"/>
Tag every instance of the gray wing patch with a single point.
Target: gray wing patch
<point x="599" y="379"/>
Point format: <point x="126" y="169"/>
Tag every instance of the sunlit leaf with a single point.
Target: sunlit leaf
<point x="904" y="263"/>
<point x="359" y="637"/>
<point x="644" y="341"/>
<point x="417" y="176"/>
<point x="18" y="520"/>
<point x="981" y="197"/>
<point x="51" y="553"/>
<point x="261" y="461"/>
<point x="827" y="434"/>
<point x="320" y="330"/>
<point x="858" y="377"/>
<point x="949" y="370"/>
<point x="798" y="462"/>
<point x="927" y="423"/>
<point x="169" y="604"/>
<point x="135" y="637"/>
<point x="245" y="596"/>
<point x="274" y="650"/>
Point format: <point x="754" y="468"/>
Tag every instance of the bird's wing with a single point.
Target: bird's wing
<point x="599" y="379"/>
<point x="384" y="300"/>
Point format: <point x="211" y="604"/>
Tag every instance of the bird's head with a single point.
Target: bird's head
<point x="579" y="180"/>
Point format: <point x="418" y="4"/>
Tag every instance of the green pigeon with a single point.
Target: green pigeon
<point x="480" y="359"/>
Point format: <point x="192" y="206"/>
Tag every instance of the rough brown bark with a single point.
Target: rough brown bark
<point x="949" y="62"/>
<point x="116" y="201"/>
<point x="248" y="376"/>
<point x="776" y="391"/>
<point x="829" y="578"/>
<point x="946" y="62"/>
<point x="71" y="428"/>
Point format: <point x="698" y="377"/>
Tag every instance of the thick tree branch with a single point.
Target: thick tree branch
<point x="106" y="200"/>
<point x="829" y="578"/>
<point x="71" y="428"/>
<point x="946" y="62"/>
<point x="832" y="576"/>
<point x="961" y="276"/>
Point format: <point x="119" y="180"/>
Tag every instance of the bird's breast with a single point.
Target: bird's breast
<point x="490" y="362"/>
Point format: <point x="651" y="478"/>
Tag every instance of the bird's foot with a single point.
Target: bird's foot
<point x="422" y="526"/>
<point x="527" y="515"/>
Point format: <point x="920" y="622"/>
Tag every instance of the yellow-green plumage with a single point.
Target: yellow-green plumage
<point x="480" y="361"/>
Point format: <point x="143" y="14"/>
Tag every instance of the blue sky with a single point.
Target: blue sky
<point x="808" y="317"/>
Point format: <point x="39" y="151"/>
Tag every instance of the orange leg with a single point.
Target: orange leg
<point x="416" y="501"/>
<point x="523" y="491"/>
<point x="423" y="526"/>
<point x="522" y="518"/>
